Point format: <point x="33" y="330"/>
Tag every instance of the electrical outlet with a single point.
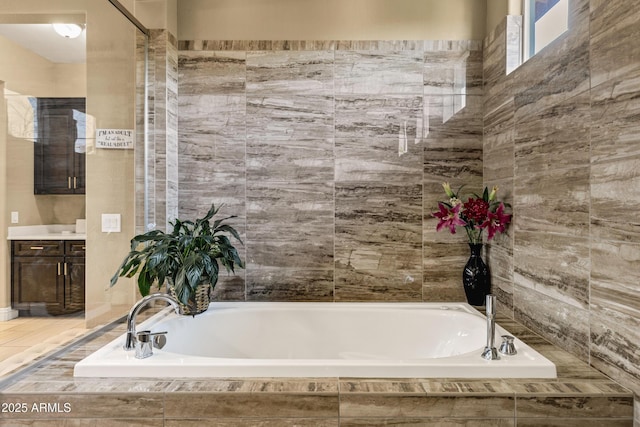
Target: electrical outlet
<point x="14" y="218"/>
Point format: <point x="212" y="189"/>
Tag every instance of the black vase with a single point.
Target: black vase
<point x="475" y="277"/>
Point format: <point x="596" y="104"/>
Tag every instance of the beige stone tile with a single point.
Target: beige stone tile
<point x="384" y="386"/>
<point x="574" y="422"/>
<point x="257" y="385"/>
<point x="427" y="422"/>
<point x="574" y="407"/>
<point x="493" y="387"/>
<point x="144" y="406"/>
<point x="378" y="285"/>
<point x="553" y="264"/>
<point x="367" y="405"/>
<point x="252" y="422"/>
<point x="614" y="30"/>
<point x="562" y="323"/>
<point x="243" y="405"/>
<point x="86" y="422"/>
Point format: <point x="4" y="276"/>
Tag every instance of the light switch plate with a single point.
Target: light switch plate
<point x="14" y="217"/>
<point x="111" y="223"/>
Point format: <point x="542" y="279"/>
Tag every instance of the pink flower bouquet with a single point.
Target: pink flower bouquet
<point x="475" y="215"/>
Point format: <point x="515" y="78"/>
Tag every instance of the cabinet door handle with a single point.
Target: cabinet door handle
<point x="69" y="182"/>
<point x="36" y="248"/>
<point x="75" y="182"/>
<point x="58" y="269"/>
<point x="65" y="268"/>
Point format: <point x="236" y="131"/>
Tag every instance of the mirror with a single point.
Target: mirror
<point x="105" y="66"/>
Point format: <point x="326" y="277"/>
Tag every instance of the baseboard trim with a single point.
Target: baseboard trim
<point x="7" y="313"/>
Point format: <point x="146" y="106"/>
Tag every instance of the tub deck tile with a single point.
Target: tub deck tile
<point x="249" y="405"/>
<point x="431" y="422"/>
<point x="405" y="386"/>
<point x="489" y="387"/>
<point x="580" y="396"/>
<point x="401" y="406"/>
<point x="256" y="385"/>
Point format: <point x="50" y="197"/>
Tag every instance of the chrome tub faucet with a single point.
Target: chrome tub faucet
<point x="142" y="342"/>
<point x="490" y="352"/>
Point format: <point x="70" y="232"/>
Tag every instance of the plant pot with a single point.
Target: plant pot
<point x="475" y="277"/>
<point x="201" y="299"/>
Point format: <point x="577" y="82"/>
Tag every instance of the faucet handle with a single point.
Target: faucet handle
<point x="144" y="344"/>
<point x="507" y="347"/>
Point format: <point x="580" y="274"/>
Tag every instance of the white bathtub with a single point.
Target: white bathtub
<point x="264" y="339"/>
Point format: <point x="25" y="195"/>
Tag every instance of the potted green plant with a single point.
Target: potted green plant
<point x="187" y="259"/>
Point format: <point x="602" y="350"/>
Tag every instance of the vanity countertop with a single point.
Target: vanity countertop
<point x="45" y="232"/>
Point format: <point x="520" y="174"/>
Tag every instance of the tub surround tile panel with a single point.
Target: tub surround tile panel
<point x="378" y="72"/>
<point x="563" y="324"/>
<point x="554" y="202"/>
<point x="498" y="89"/>
<point x="378" y="226"/>
<point x="442" y="263"/>
<point x="431" y="422"/>
<point x="290" y="225"/>
<point x="453" y="71"/>
<point x="455" y="116"/>
<point x="613" y="346"/>
<point x="574" y="422"/>
<point x="561" y="70"/>
<point x="555" y="265"/>
<point x="295" y="116"/>
<point x="320" y="148"/>
<point x="378" y="285"/>
<point x="614" y="34"/>
<point x="377" y="160"/>
<point x="498" y="149"/>
<point x="586" y="407"/>
<point x="294" y="72"/>
<point x="560" y="133"/>
<point x="211" y="73"/>
<point x="213" y="119"/>
<point x="378" y="116"/>
<point x="290" y="161"/>
<point x="251" y="422"/>
<point x="615" y="310"/>
<point x="277" y="284"/>
<point x="446" y="407"/>
<point x="249" y="405"/>
<point x="457" y="161"/>
<point x="615" y="147"/>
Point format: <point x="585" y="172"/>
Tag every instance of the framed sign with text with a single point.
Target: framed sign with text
<point x="119" y="139"/>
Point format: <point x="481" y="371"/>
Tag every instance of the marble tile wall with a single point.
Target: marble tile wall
<point x="561" y="136"/>
<point x="332" y="155"/>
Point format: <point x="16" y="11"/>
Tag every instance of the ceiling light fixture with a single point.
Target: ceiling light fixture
<point x="70" y="31"/>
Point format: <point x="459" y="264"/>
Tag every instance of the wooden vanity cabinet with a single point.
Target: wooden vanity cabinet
<point x="58" y="166"/>
<point x="47" y="276"/>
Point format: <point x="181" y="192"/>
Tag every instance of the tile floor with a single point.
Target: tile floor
<point x="25" y="339"/>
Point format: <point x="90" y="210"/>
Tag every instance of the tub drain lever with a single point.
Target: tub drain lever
<point x="144" y="343"/>
<point x="490" y="352"/>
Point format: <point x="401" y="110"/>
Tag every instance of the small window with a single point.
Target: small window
<point x="544" y="21"/>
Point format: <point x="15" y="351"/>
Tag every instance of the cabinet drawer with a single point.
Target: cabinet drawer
<point x="74" y="247"/>
<point x="38" y="247"/>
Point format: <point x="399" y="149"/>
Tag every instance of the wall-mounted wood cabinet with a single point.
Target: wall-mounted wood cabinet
<point x="47" y="276"/>
<point x="59" y="150"/>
